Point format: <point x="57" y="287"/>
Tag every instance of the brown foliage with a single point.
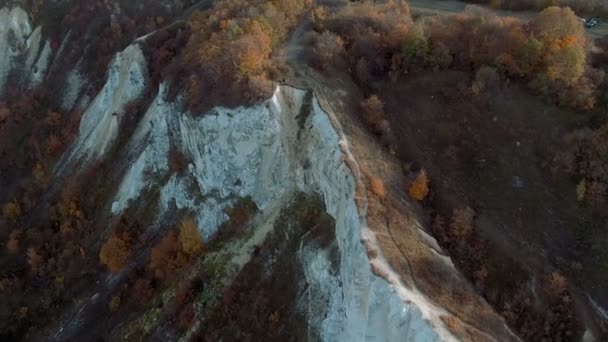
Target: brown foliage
<point x="596" y="194"/>
<point x="114" y="304"/>
<point x="231" y="44"/>
<point x="12" y="244"/>
<point x="186" y="317"/>
<point x="142" y="291"/>
<point x="419" y="188"/>
<point x="11" y="210"/>
<point x="163" y="255"/>
<point x="34" y="259"/>
<point x="486" y="78"/>
<point x="5" y="113"/>
<point x="175" y="251"/>
<point x="328" y="47"/>
<point x="583" y="156"/>
<point x="184" y="294"/>
<point x="373" y="111"/>
<point x="114" y="254"/>
<point x="557" y="283"/>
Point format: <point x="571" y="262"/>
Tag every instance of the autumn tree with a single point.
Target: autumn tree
<point x="12" y="244"/>
<point x="186" y="316"/>
<point x="328" y="47"/>
<point x="34" y="259"/>
<point x="528" y="56"/>
<point x="176" y="250"/>
<point x="11" y="210"/>
<point x="114" y="304"/>
<point x="419" y="188"/>
<point x="563" y="37"/>
<point x="253" y="49"/>
<point x="317" y="16"/>
<point x="486" y="78"/>
<point x="462" y="222"/>
<point x="378" y="188"/>
<point x="596" y="194"/>
<point x="5" y="113"/>
<point x="230" y="48"/>
<point x="142" y="291"/>
<point x="416" y="45"/>
<point x="114" y="254"/>
<point x="190" y="237"/>
<point x="163" y="255"/>
<point x="373" y="111"/>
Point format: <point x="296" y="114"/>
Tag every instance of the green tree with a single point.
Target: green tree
<point x="416" y="44"/>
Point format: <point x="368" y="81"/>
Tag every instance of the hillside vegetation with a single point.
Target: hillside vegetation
<point x="381" y="48"/>
<point x="381" y="43"/>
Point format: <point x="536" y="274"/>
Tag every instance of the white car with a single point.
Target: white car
<point x="589" y="23"/>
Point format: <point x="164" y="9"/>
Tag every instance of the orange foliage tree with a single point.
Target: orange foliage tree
<point x="419" y="188"/>
<point x="190" y="237"/>
<point x="174" y="251"/>
<point x="378" y="187"/>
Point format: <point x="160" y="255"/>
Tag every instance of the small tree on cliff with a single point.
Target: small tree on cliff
<point x="190" y="237"/>
<point x="419" y="188"/>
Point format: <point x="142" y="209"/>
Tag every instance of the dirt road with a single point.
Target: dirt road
<point x="440" y="7"/>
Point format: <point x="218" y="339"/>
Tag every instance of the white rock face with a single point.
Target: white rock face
<point x="20" y="48"/>
<point x="73" y="90"/>
<point x="99" y="125"/>
<point x="264" y="153"/>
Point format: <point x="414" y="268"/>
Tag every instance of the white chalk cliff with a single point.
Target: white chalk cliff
<point x="21" y="49"/>
<point x="268" y="152"/>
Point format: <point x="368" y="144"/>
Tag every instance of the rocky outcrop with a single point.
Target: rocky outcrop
<point x="22" y="49"/>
